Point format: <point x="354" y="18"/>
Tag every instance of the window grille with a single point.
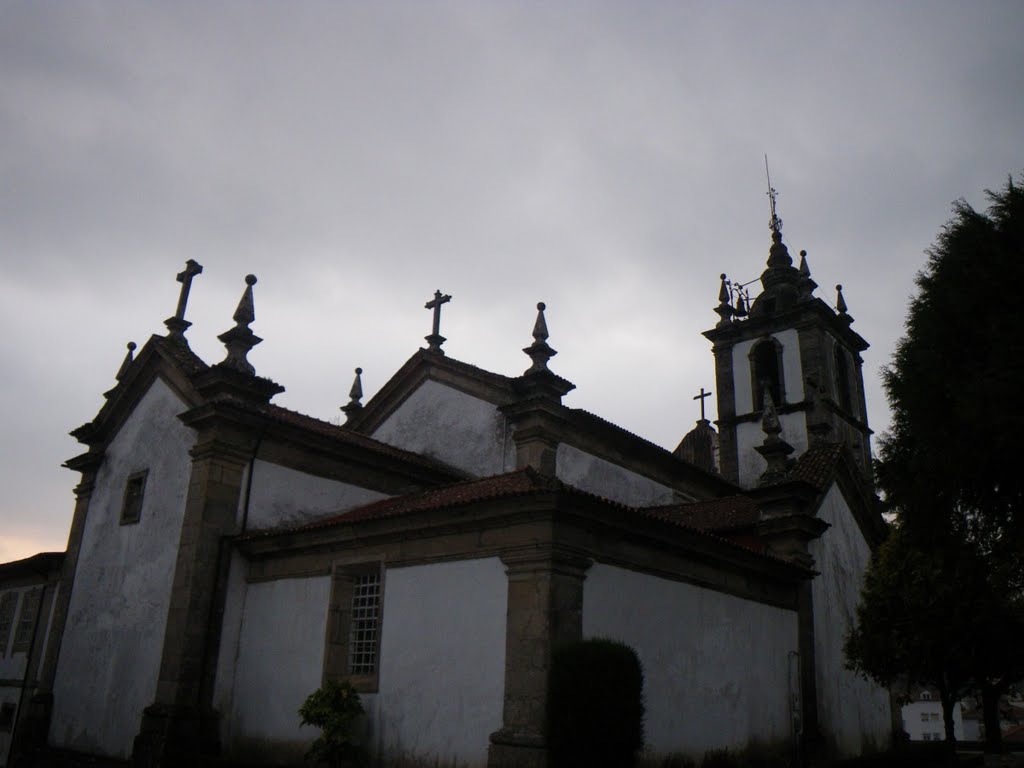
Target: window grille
<point x="364" y="625"/>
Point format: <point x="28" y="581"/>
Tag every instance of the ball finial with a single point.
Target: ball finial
<point x="131" y="346"/>
<point x="250" y="279"/>
<point x="541" y="306"/>
<point x="359" y="371"/>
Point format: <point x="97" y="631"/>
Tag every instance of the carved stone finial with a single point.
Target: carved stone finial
<point x="724" y="309"/>
<point x="774" y="449"/>
<point x="435" y="339"/>
<point x="128" y="358"/>
<point x="177" y="325"/>
<point x="240" y="339"/>
<point x="539" y="351"/>
<point x="841" y="307"/>
<point x="355" y="395"/>
<point x="807" y="285"/>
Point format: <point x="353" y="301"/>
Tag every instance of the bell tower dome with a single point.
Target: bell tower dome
<point x="791" y="345"/>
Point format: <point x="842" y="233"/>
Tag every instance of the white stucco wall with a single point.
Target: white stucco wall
<point x="595" y="475"/>
<point x="283" y="496"/>
<point x="792" y="375"/>
<point x="280" y="654"/>
<point x="716" y="666"/>
<point x="854" y="713"/>
<point x="451" y="426"/>
<point x="442" y="677"/>
<point x="442" y="664"/>
<point x="110" y="653"/>
<point x="749" y="434"/>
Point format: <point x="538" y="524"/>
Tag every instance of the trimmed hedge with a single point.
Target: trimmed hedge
<point x="595" y="708"/>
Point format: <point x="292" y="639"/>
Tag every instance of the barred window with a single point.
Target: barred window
<point x="352" y="650"/>
<point x="362" y="637"/>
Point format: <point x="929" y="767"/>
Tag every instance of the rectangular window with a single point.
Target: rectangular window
<point x="134" y="490"/>
<point x="362" y="634"/>
<point x="27" y="620"/>
<point x="353" y="625"/>
<point x="926" y="736"/>
<point x="8" y="607"/>
<point x="935" y="715"/>
<point x="924" y="717"/>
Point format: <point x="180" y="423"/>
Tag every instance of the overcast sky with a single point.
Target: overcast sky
<point x="604" y="157"/>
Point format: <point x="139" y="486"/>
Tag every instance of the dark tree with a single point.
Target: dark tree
<point x="950" y="468"/>
<point x="911" y="606"/>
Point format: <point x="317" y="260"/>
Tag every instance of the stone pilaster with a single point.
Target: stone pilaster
<point x="545" y="609"/>
<point x="180" y="725"/>
<point x="728" y="459"/>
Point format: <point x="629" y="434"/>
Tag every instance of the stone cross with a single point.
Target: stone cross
<point x="177" y="325"/>
<point x="435" y="339"/>
<point x="702" y="397"/>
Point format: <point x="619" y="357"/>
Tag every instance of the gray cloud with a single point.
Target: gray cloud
<point x="604" y="157"/>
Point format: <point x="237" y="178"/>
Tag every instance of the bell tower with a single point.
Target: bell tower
<point x="792" y="345"/>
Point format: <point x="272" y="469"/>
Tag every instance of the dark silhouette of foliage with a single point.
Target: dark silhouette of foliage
<point x="909" y="619"/>
<point x="950" y="469"/>
<point x="595" y="706"/>
<point x="335" y="708"/>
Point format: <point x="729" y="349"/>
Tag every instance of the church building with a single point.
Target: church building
<point x="227" y="555"/>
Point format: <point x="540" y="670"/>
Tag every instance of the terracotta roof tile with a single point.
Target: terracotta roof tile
<point x="519" y="483"/>
<point x="816" y="465"/>
<point x="721" y="514"/>
<point x="522" y="482"/>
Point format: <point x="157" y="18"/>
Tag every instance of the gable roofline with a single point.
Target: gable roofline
<point x="171" y="361"/>
<point x="608" y="432"/>
<point x="425" y="365"/>
<point x="42" y="564"/>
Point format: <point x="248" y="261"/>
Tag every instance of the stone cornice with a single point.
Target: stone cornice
<point x="563" y="526"/>
<point x="804" y="315"/>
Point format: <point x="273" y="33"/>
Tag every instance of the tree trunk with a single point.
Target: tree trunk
<point x="948" y="702"/>
<point x="990" y="710"/>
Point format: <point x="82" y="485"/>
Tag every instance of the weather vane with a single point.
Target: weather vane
<point x="776" y="222"/>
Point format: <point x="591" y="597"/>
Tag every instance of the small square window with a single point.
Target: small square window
<point x="926" y="736"/>
<point x="134" y="490"/>
<point x="935" y="715"/>
<point x="924" y="717"/>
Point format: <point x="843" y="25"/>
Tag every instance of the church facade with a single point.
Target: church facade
<point x="228" y="555"/>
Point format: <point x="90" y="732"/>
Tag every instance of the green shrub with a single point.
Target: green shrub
<point x="335" y="708"/>
<point x="595" y="707"/>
